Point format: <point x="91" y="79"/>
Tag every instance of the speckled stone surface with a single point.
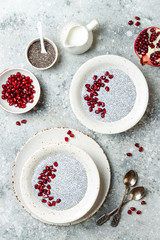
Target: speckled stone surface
<point x="17" y="27"/>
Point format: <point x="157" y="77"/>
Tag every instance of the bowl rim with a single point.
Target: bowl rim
<point x="54" y="46"/>
<point x="29" y="73"/>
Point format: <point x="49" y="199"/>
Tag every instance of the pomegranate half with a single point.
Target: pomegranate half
<point x="147" y="46"/>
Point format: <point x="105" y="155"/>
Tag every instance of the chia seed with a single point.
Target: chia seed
<point x="38" y="59"/>
<point x="70" y="183"/>
<point x="119" y="101"/>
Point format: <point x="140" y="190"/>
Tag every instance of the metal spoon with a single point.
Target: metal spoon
<point x="135" y="194"/>
<point x="39" y="26"/>
<point x="129" y="180"/>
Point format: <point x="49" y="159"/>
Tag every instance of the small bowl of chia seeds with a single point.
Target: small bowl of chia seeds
<point x="38" y="60"/>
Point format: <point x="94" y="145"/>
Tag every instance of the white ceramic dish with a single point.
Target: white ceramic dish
<point x="111" y="62"/>
<point x="12" y="109"/>
<point x="56" y="136"/>
<point x="54" y="46"/>
<point x="49" y="214"/>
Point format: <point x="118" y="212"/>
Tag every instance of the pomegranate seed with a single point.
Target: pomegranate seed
<point x="40" y="194"/>
<point x="139" y="212"/>
<point x="137" y="24"/>
<point x="143" y="203"/>
<point x="97" y="112"/>
<point x="48" y="186"/>
<point x="54" y="170"/>
<point x="72" y="135"/>
<point x="36" y="186"/>
<point x="87" y="85"/>
<point x="137" y="18"/>
<point x="24" y="121"/>
<point x="129" y="212"/>
<point x="58" y="200"/>
<point x="55" y="164"/>
<point x="129" y="154"/>
<point x="106" y="73"/>
<point x="130" y="22"/>
<point x="107" y="89"/>
<point x="66" y="139"/>
<point x="53" y="176"/>
<point x="111" y="76"/>
<point x="102" y="115"/>
<point x="141" y="149"/>
<point x="48" y="192"/>
<point x="49" y="204"/>
<point x="53" y="203"/>
<point x="44" y="200"/>
<point x="106" y="81"/>
<point x="51" y="198"/>
<point x="137" y="145"/>
<point x="18" y="123"/>
<point x="133" y="208"/>
<point x="69" y="132"/>
<point x="95" y="77"/>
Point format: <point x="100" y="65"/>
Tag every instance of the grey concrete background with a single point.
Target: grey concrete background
<point x="17" y="27"/>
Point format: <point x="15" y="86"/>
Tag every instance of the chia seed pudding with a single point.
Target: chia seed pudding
<point x="70" y="183"/>
<point x="118" y="95"/>
<point x="38" y="59"/>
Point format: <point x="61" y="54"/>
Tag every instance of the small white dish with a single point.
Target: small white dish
<point x="50" y="214"/>
<point x="4" y="77"/>
<point x="109" y="62"/>
<point x="56" y="136"/>
<point x="54" y="46"/>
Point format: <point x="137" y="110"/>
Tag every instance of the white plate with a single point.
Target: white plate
<point x="3" y="78"/>
<point x="54" y="136"/>
<point x="112" y="62"/>
<point x="50" y="214"/>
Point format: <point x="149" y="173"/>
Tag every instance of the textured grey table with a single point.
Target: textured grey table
<point x="17" y="27"/>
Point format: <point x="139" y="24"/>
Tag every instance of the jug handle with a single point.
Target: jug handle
<point x="92" y="25"/>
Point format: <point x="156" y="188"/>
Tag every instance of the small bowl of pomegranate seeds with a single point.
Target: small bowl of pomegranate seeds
<point x="20" y="90"/>
<point x="38" y="60"/>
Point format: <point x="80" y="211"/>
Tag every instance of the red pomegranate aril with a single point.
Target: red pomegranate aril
<point x="95" y="77"/>
<point x="54" y="170"/>
<point x="69" y="132"/>
<point x="40" y="194"/>
<point x="87" y="85"/>
<point x="137" y="145"/>
<point x="48" y="186"/>
<point x="100" y="109"/>
<point x="137" y="24"/>
<point x="129" y="212"/>
<point x="53" y="203"/>
<point x="104" y="111"/>
<point x="102" y="115"/>
<point x="107" y="89"/>
<point x="103" y="104"/>
<point x="24" y="121"/>
<point x="72" y="135"/>
<point x="49" y="204"/>
<point x="97" y="112"/>
<point x="48" y="192"/>
<point x="36" y="186"/>
<point x="133" y="209"/>
<point x="66" y="139"/>
<point x="18" y="123"/>
<point x="137" y="18"/>
<point x="129" y="154"/>
<point x="55" y="164"/>
<point x="106" y="73"/>
<point x="130" y="22"/>
<point x="40" y="177"/>
<point x="44" y="200"/>
<point x="143" y="203"/>
<point x="111" y="76"/>
<point x="138" y="212"/>
<point x="106" y="81"/>
<point x="58" y="200"/>
<point x="51" y="198"/>
<point x="90" y="109"/>
<point x="53" y="176"/>
<point x="141" y="149"/>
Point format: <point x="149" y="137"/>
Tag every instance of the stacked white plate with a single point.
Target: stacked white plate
<point x="82" y="148"/>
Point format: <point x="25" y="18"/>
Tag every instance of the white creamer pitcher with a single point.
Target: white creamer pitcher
<point x="77" y="38"/>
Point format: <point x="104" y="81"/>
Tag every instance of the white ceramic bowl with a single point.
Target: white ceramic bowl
<point x="50" y="214"/>
<point x="109" y="62"/>
<point x="4" y="77"/>
<point x="54" y="46"/>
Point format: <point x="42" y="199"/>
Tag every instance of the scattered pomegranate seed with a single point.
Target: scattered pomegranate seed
<point x="111" y="76"/>
<point x="107" y="89"/>
<point x="129" y="154"/>
<point x="137" y="18"/>
<point x="40" y="194"/>
<point x="18" y="123"/>
<point x="49" y="204"/>
<point x="137" y="145"/>
<point x="48" y="186"/>
<point x="141" y="149"/>
<point x="129" y="212"/>
<point x="44" y="200"/>
<point x="58" y="200"/>
<point x="137" y="24"/>
<point x="107" y="73"/>
<point x="36" y="186"/>
<point x="87" y="85"/>
<point x="130" y="22"/>
<point x="69" y="132"/>
<point x="24" y="121"/>
<point x="66" y="139"/>
<point x="55" y="164"/>
<point x="133" y="208"/>
<point x="53" y="176"/>
<point x="51" y="198"/>
<point x="72" y="135"/>
<point x="53" y="203"/>
<point x="143" y="203"/>
<point x="95" y="77"/>
<point x="138" y="212"/>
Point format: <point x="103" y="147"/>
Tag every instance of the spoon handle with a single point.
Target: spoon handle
<point x="116" y="217"/>
<point x="39" y="26"/>
<point x="105" y="217"/>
